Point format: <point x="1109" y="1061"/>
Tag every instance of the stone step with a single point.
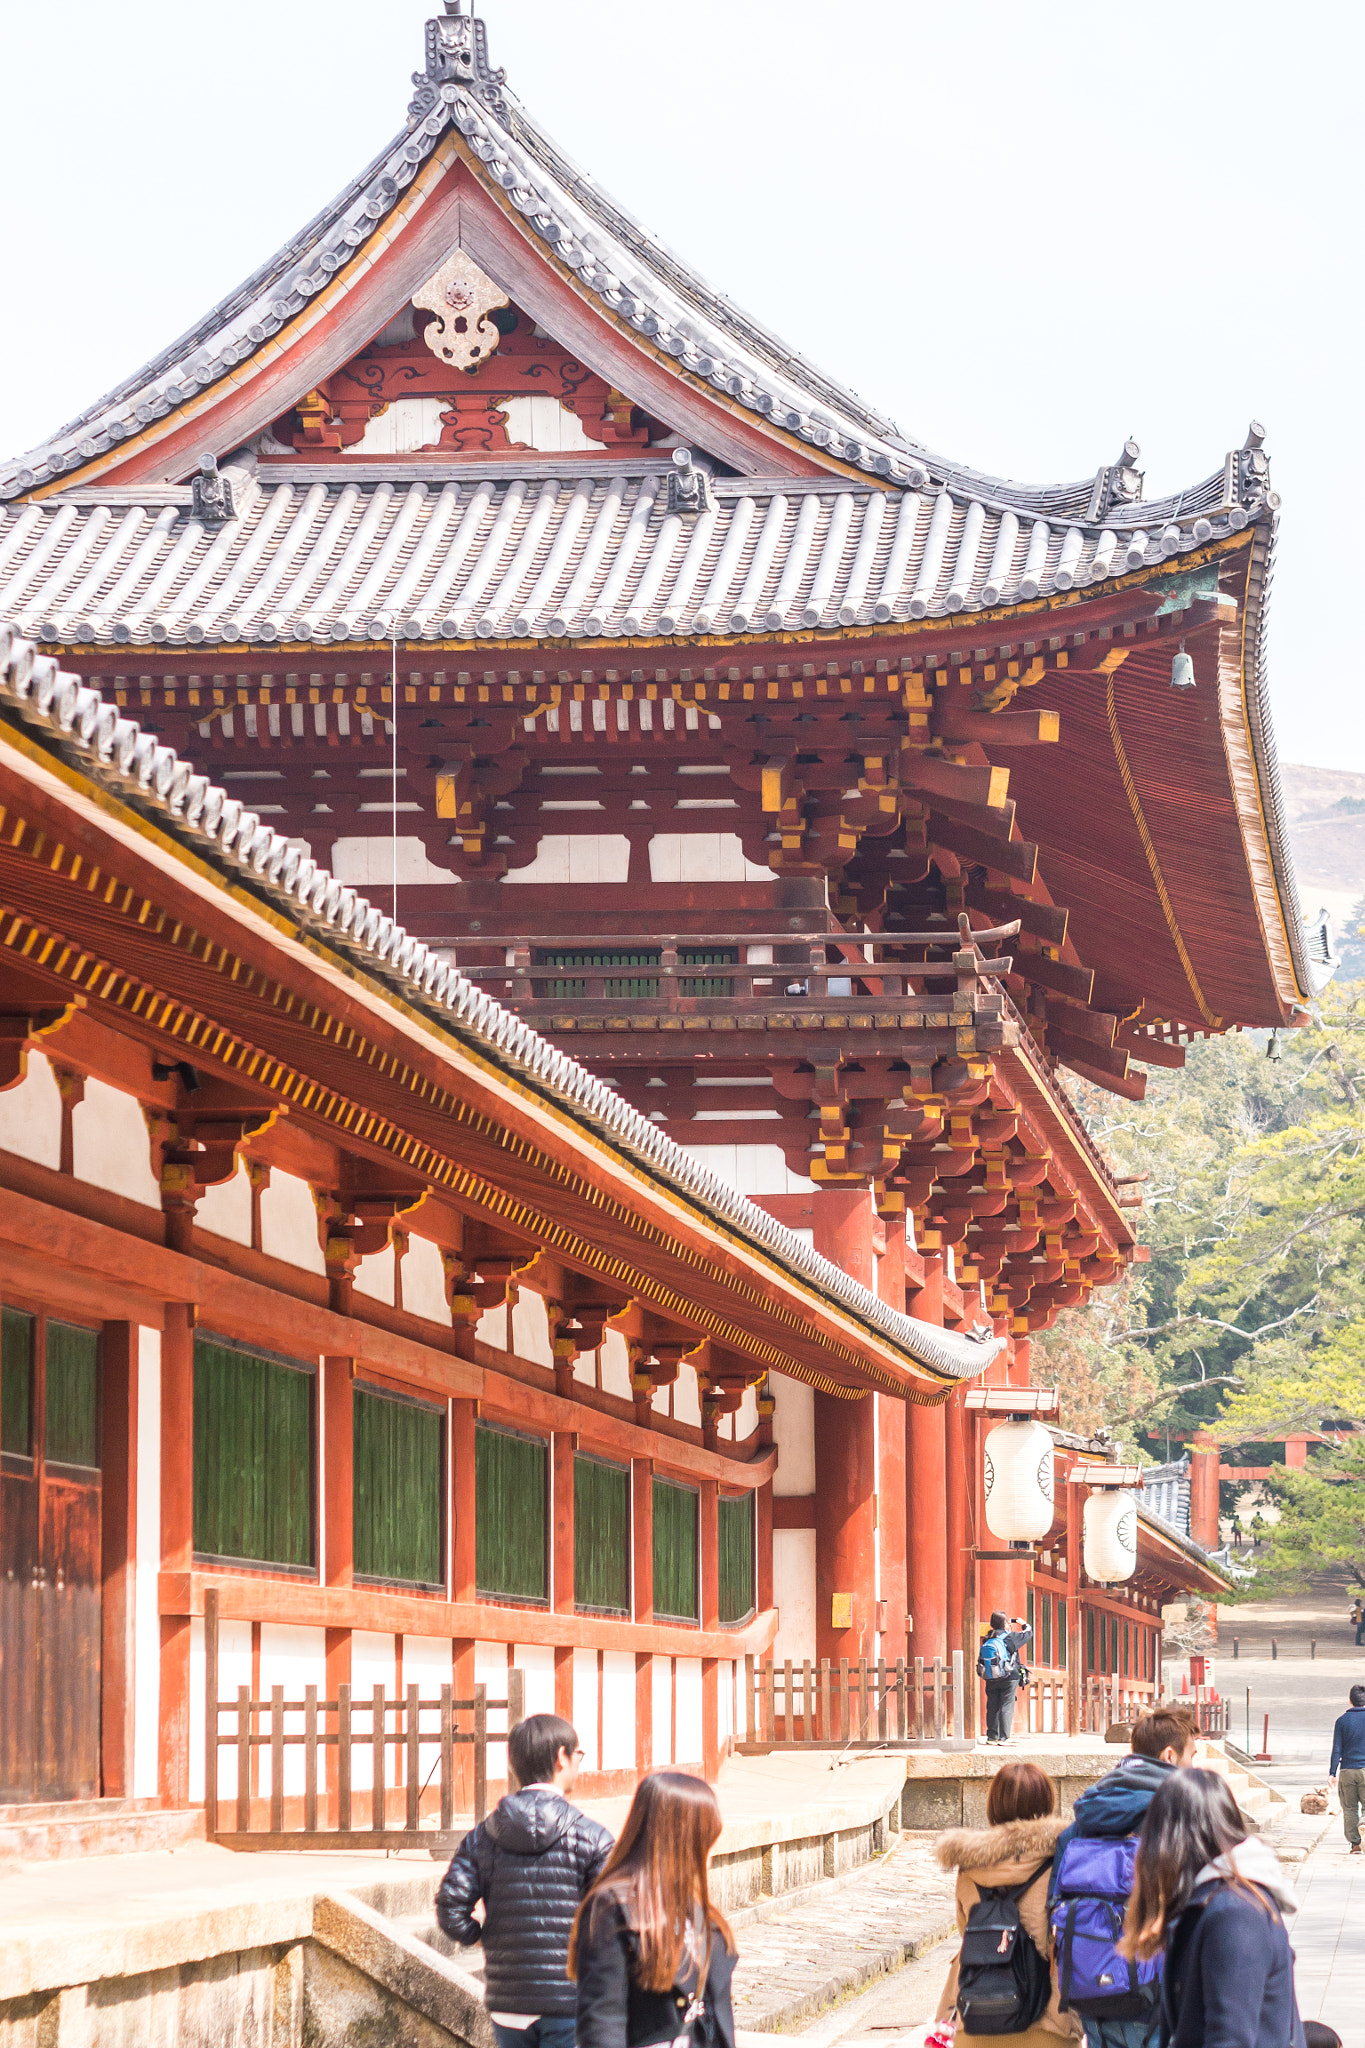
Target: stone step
<point x="132" y="1826"/>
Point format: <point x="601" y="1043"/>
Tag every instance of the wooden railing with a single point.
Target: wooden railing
<point x="862" y="1705"/>
<point x="411" y="1745"/>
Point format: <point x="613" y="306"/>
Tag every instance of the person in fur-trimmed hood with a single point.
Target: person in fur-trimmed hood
<point x="1020" y="1840"/>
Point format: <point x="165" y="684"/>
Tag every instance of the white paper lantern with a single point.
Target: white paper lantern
<point x="1018" y="1485"/>
<point x="1110" y="1534"/>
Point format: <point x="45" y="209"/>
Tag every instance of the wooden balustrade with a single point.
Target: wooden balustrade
<point x="397" y="1736"/>
<point x="860" y="1705"/>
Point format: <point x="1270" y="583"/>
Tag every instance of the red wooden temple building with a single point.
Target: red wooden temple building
<point x="543" y="955"/>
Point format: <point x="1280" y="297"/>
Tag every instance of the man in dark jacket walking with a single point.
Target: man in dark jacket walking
<point x="530" y="1862"/>
<point x="1164" y="1741"/>
<point x="1348" y="1765"/>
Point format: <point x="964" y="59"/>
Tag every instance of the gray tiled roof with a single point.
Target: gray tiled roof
<point x="639" y="282"/>
<point x="337" y="555"/>
<point x="134" y="765"/>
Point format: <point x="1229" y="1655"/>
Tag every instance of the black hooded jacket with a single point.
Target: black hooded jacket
<point x="530" y="1862"/>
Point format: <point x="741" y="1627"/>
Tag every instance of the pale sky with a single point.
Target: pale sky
<point x="1026" y="232"/>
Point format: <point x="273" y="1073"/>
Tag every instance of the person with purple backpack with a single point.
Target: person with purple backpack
<point x="1117" y="2002"/>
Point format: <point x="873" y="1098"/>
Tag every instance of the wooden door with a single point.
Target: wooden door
<point x="49" y="1559"/>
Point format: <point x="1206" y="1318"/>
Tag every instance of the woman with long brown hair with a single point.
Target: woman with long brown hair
<point x="1212" y="1896"/>
<point x="651" y="1955"/>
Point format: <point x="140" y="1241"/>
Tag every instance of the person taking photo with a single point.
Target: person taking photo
<point x="999" y="1665"/>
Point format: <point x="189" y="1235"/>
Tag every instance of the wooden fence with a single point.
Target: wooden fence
<point x="410" y="1743"/>
<point x="859" y="1705"/>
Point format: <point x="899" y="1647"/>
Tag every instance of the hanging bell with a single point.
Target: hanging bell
<point x="1272" y="1051"/>
<point x="1182" y="670"/>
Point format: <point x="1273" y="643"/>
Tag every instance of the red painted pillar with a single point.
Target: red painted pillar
<point x="1296" y="1452"/>
<point x="961" y="1568"/>
<point x="463" y="1413"/>
<point x="925" y="1496"/>
<point x="1204" y="1460"/>
<point x="845" y="1460"/>
<point x="642" y="1584"/>
<point x="893" y="1582"/>
<point x="338" y="1529"/>
<point x="710" y="1619"/>
<point x="118" y="1559"/>
<point x="177" y="1546"/>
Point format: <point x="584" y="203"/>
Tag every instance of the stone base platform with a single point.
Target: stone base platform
<point x="94" y="1827"/>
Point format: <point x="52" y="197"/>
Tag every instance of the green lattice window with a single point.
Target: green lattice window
<point x="253" y="1457"/>
<point x="16" y="1382"/>
<point x="708" y="956"/>
<point x="511" y="1515"/>
<point x="735" y="1543"/>
<point x="1061" y="1635"/>
<point x="617" y="985"/>
<point x="72" y="1400"/>
<point x="676" y="1560"/>
<point x="601" y="1536"/>
<point x="1045" y="1632"/>
<point x="397" y="1487"/>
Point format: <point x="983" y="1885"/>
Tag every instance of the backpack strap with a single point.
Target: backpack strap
<point x="1014" y="1892"/>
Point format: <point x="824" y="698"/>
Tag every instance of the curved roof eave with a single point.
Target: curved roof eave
<point x="630" y="276"/>
<point x="134" y="765"/>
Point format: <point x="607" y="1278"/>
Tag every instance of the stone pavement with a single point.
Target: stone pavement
<point x="854" y="1929"/>
<point x="1327" y="1936"/>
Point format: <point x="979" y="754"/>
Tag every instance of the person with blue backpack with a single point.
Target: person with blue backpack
<point x="1092" y="1876"/>
<point x="998" y="1663"/>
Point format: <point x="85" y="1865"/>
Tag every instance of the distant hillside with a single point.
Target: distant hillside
<point x="1325" y="812"/>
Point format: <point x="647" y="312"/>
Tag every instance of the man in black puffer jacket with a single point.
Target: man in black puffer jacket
<point x="530" y="1862"/>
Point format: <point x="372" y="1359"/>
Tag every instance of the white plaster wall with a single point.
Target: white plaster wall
<point x="542" y="422"/>
<point x="618" y="1710"/>
<point x="490" y="1671"/>
<point x="289" y="1222"/>
<point x="424" y="1281"/>
<point x="373" y="1663"/>
<point x="753" y="1169"/>
<point x="531" y="1329"/>
<point x="492" y="1327"/>
<point x="537" y="1661"/>
<point x="226" y="1210"/>
<point x="725" y="1701"/>
<point x="745" y="1418"/>
<point x="793" y="1434"/>
<point x="374" y="1276"/>
<point x="293" y="1657"/>
<point x="597" y="857"/>
<point x="31" y="1115"/>
<point x="368" y="863"/>
<point x="686" y="1399"/>
<point x="616" y="1365"/>
<point x="110" y="1145"/>
<point x="146" y="1616"/>
<point x="585" y="1706"/>
<point x="794" y="1593"/>
<point x="663" y="1710"/>
<point x="687" y="1677"/>
<point x="234" y="1671"/>
<point x="428" y="1664"/>
<point x="702" y="857"/>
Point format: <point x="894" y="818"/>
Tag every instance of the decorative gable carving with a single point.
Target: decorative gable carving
<point x="462" y="298"/>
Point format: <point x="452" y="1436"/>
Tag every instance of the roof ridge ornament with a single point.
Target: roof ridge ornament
<point x="456" y="54"/>
<point x="462" y="298"/>
<point x="689" y="483"/>
<point x="1253" y="472"/>
<point x="211" y="499"/>
<point x="1117" y="485"/>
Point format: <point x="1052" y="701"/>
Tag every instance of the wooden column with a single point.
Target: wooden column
<point x="893" y="1586"/>
<point x="338" y="1529"/>
<point x="925" y="1498"/>
<point x="708" y="1511"/>
<point x="961" y="1577"/>
<point x="563" y="1448"/>
<point x="845" y="1459"/>
<point x="642" y="1595"/>
<point x="763" y="1547"/>
<point x="1204" y="1459"/>
<point x="463" y="1414"/>
<point x="118" y="1558"/>
<point x="177" y="1546"/>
